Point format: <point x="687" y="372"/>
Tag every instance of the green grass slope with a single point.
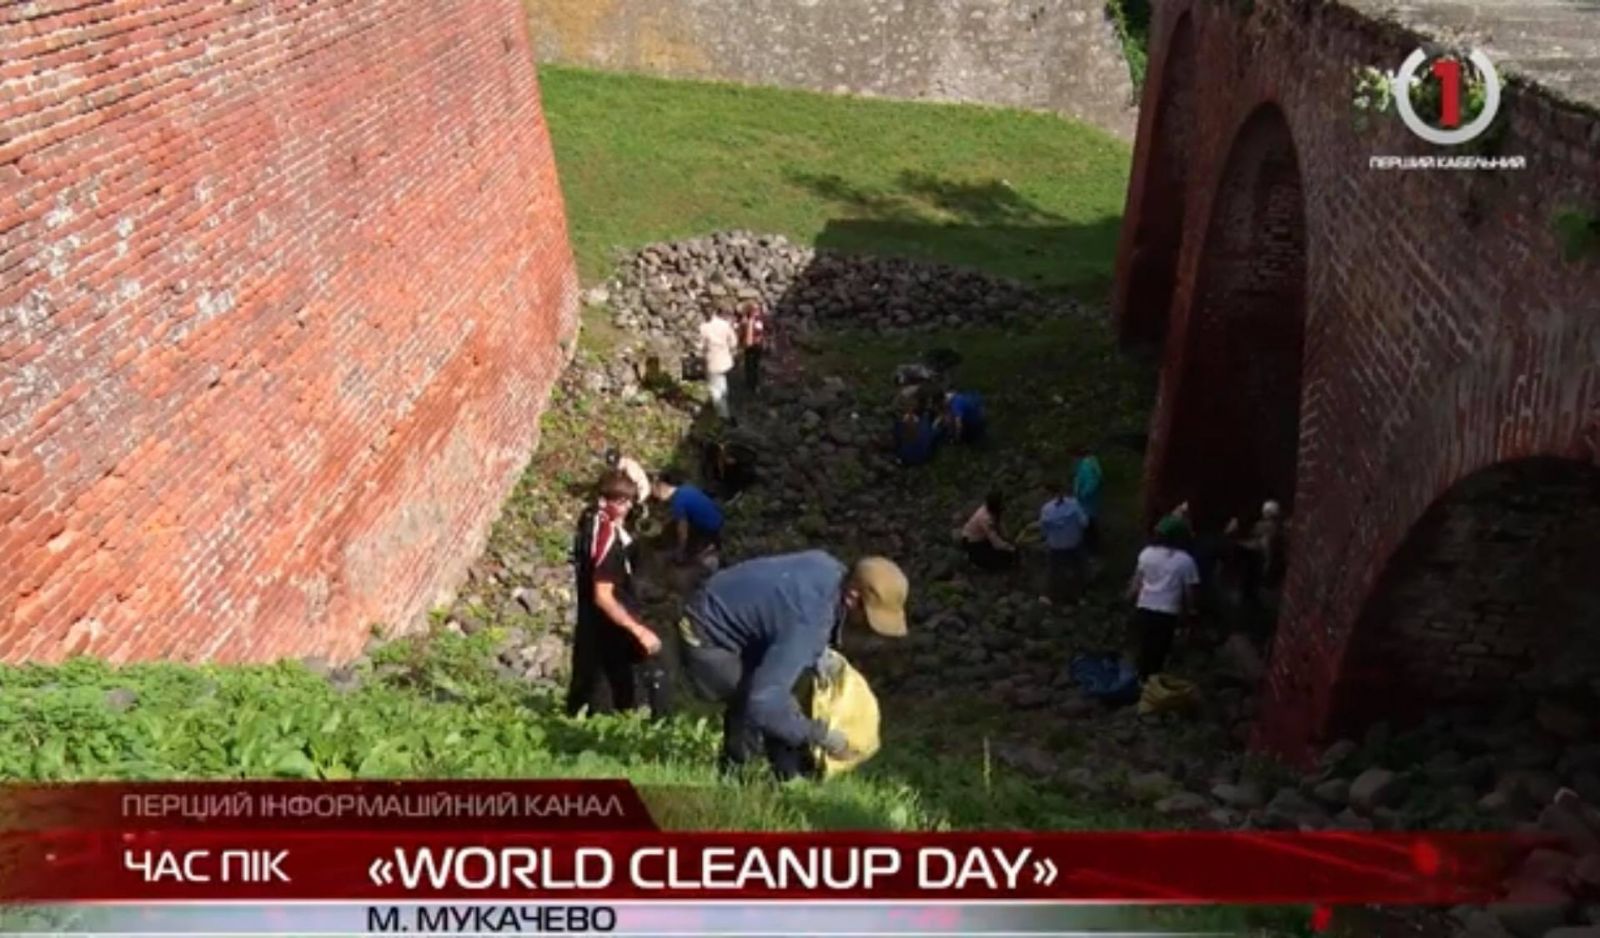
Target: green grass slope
<point x="641" y="159"/>
<point x="1025" y="195"/>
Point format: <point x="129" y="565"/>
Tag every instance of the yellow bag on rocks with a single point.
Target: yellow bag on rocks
<point x="1164" y="693"/>
<point x="848" y="705"/>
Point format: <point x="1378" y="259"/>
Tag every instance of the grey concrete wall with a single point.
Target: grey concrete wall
<point x="1055" y="55"/>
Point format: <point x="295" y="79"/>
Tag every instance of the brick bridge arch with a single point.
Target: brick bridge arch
<point x="1231" y="408"/>
<point x="1152" y="243"/>
<point x="1493" y="588"/>
<point x="1444" y="336"/>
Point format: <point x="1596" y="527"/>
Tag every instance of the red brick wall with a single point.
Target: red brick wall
<point x="283" y="288"/>
<point x="1493" y="589"/>
<point x="1444" y="333"/>
<point x="1151" y="239"/>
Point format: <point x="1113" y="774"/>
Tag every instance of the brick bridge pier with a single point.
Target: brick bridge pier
<point x="1409" y="360"/>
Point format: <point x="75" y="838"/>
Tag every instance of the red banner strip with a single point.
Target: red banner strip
<point x="523" y="805"/>
<point x="1268" y="868"/>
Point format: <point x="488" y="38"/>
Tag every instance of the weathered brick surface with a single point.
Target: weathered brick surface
<point x="1494" y="588"/>
<point x="283" y="287"/>
<point x="1443" y="333"/>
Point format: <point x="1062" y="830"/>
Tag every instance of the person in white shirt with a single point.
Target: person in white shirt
<point x="636" y="474"/>
<point x="719" y="342"/>
<point x="1163" y="589"/>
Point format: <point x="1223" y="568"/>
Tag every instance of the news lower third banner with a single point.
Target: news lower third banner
<point x="536" y="845"/>
<point x="710" y="919"/>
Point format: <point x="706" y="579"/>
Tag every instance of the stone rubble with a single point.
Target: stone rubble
<point x="1530" y="763"/>
<point x="660" y="291"/>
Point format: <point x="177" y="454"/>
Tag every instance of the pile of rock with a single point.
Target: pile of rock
<point x="620" y="375"/>
<point x="660" y="291"/>
<point x="1555" y="889"/>
<point x="1460" y="768"/>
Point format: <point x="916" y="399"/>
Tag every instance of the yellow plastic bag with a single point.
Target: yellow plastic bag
<point x="848" y="705"/>
<point x="1164" y="693"/>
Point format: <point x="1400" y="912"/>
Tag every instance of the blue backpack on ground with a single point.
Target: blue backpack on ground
<point x="1105" y="677"/>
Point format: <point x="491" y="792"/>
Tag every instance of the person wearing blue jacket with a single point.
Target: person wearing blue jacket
<point x="754" y="629"/>
<point x="965" y="420"/>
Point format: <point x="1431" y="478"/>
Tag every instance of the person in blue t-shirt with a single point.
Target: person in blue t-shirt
<point x="964" y="419"/>
<point x="697" y="521"/>
<point x="914" y="437"/>
<point x="1063" y="522"/>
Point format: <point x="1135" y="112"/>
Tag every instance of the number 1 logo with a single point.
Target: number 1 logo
<point x="1450" y="75"/>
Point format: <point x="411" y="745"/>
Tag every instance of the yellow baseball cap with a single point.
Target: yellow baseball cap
<point x="883" y="588"/>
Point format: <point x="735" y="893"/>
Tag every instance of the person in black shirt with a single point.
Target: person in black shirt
<point x="611" y="647"/>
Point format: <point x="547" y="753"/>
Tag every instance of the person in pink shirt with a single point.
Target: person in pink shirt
<point x="753" y="339"/>
<point x="981" y="536"/>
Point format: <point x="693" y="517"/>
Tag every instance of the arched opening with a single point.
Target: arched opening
<point x="1158" y="238"/>
<point x="1492" y="597"/>
<point x="1233" y="437"/>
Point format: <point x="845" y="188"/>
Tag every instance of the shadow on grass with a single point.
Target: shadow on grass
<point x="993" y="225"/>
<point x="990" y="203"/>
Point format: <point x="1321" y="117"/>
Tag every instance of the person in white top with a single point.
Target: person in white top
<point x="719" y="342"/>
<point x="1163" y="589"/>
<point x="636" y="475"/>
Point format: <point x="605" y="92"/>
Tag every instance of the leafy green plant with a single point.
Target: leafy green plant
<point x="1578" y="232"/>
<point x="1131" y="20"/>
<point x="1373" y="94"/>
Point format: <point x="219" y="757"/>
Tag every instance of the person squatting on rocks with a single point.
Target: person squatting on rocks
<point x="753" y="339"/>
<point x="612" y="648"/>
<point x="640" y="479"/>
<point x="1087" y="482"/>
<point x="753" y="630"/>
<point x="1064" y="524"/>
<point x="964" y="420"/>
<point x="982" y="539"/>
<point x="697" y="521"/>
<point x="1163" y="590"/>
<point x="718" y="345"/>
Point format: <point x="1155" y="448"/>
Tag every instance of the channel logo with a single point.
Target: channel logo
<point x="1462" y="92"/>
<point x="1448" y="72"/>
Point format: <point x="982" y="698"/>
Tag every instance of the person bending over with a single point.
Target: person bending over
<point x="754" y="630"/>
<point x="981" y="536"/>
<point x="696" y="520"/>
<point x="965" y="419"/>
